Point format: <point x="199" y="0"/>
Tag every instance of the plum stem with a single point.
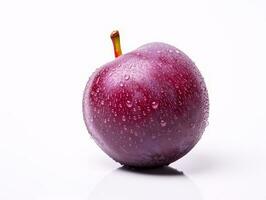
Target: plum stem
<point x="116" y="43"/>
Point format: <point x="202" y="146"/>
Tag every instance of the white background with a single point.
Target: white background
<point x="48" y="49"/>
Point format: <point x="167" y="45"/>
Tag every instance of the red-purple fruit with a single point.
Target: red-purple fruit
<point x="146" y="108"/>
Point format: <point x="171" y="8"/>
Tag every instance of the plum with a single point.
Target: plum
<point x="146" y="108"/>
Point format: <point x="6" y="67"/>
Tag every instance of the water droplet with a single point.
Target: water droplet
<point x="129" y="104"/>
<point x="123" y="118"/>
<point x="127" y="77"/>
<point x="135" y="117"/>
<point x="192" y="125"/>
<point x="97" y="80"/>
<point x="154" y="105"/>
<point x="170" y="51"/>
<point x="121" y="84"/>
<point x="97" y="90"/>
<point x="153" y="137"/>
<point x="158" y="51"/>
<point x="102" y="102"/>
<point x="105" y="121"/>
<point x="163" y="123"/>
<point x="129" y="138"/>
<point x="177" y="51"/>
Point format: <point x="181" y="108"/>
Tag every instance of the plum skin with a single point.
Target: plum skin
<point x="147" y="108"/>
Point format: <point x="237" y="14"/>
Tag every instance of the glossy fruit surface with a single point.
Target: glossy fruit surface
<point x="147" y="108"/>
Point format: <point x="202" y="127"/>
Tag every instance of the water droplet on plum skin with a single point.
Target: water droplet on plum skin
<point x="129" y="104"/>
<point x="127" y="77"/>
<point x="123" y="118"/>
<point x="97" y="80"/>
<point x="163" y="123"/>
<point x="154" y="105"/>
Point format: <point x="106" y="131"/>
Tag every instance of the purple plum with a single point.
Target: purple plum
<point x="146" y="108"/>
